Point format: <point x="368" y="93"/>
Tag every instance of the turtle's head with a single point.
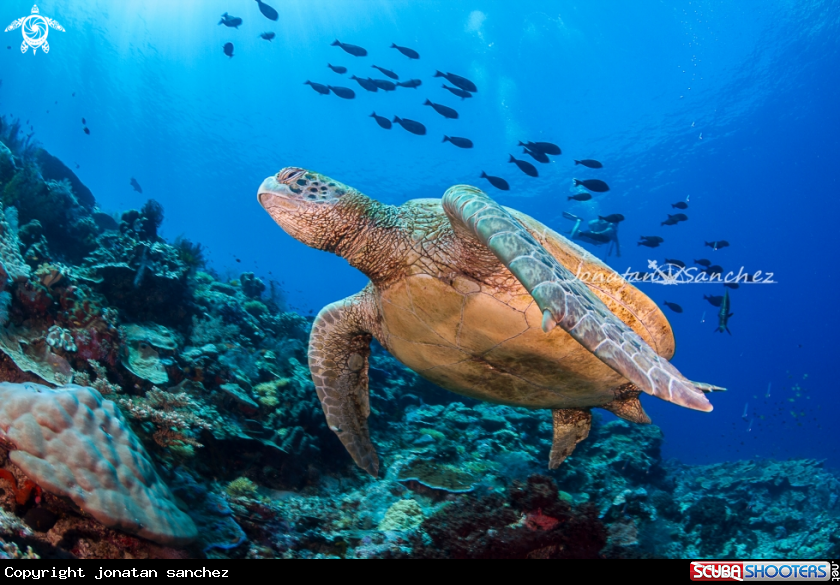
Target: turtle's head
<point x="309" y="206"/>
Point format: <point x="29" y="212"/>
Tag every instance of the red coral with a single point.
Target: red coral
<point x="22" y="494"/>
<point x="34" y="297"/>
<point x="539" y="521"/>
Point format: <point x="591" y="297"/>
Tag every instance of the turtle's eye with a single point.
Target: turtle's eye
<point x="289" y="174"/>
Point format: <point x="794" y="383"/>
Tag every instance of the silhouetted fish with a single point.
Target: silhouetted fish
<point x="366" y="83"/>
<point x="715" y="301"/>
<point x="537" y="155"/>
<point x="718" y="245"/>
<point x="444" y="111"/>
<point x="338" y="69"/>
<point x="588" y="162"/>
<point x="675" y="219"/>
<point x="680" y="205"/>
<point x="459" y="92"/>
<point x="593" y="185"/>
<point x="83" y="121"/>
<point x="384" y="84"/>
<point x="703" y="262"/>
<point x="732" y="285"/>
<point x="656" y="239"/>
<point x="673" y="306"/>
<point x="497" y="182"/>
<point x="386" y="72"/>
<point x="459" y="142"/>
<point x="580" y="197"/>
<point x="267" y="10"/>
<point x="231" y="21"/>
<point x="384" y="122"/>
<point x="343" y="92"/>
<point x="136" y="185"/>
<point x="322" y="89"/>
<point x="458" y="81"/>
<point x="679" y="216"/>
<point x="612" y="218"/>
<point x="228" y="49"/>
<point x="410" y="53"/>
<point x="411" y="83"/>
<point x="546" y="147"/>
<point x="679" y="263"/>
<point x="411" y="125"/>
<point x="525" y="167"/>
<point x="714" y="269"/>
<point x="594" y="237"/>
<point x="354" y="50"/>
<point x="268" y="36"/>
<point x="86" y="130"/>
<point x="649" y="243"/>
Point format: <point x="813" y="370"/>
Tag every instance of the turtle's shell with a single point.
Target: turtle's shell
<point x="485" y="340"/>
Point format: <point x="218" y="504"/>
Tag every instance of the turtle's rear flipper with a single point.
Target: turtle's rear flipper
<point x="571" y="426"/>
<point x="339" y="347"/>
<point x="567" y="301"/>
<point x="627" y="405"/>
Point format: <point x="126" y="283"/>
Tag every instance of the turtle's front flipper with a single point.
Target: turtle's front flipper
<point x="339" y="346"/>
<point x="565" y="300"/>
<point x="571" y="426"/>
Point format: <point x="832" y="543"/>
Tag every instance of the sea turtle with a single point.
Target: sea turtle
<point x="479" y="299"/>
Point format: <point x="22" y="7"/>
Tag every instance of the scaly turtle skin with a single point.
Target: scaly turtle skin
<point x="481" y="300"/>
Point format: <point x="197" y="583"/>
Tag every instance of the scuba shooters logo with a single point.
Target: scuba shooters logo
<point x="762" y="571"/>
<point x="35" y="29"/>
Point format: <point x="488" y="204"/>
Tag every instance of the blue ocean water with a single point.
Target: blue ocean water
<point x="731" y="105"/>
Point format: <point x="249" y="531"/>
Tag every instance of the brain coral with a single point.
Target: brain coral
<point x="74" y="443"/>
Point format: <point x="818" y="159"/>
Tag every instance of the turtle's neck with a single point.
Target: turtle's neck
<point x="371" y="237"/>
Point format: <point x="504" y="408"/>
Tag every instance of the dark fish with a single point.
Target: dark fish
<point x="86" y="130"/>
<point x="714" y="269"/>
<point x="680" y="205"/>
<point x="724" y="315"/>
<point x="83" y="121"/>
<point x="105" y="221"/>
<point x="443" y="110"/>
<point x="410" y="53"/>
<point x="525" y="167"/>
<point x="228" y="49"/>
<point x="718" y="245"/>
<point x="593" y="185"/>
<point x="352" y="49"/>
<point x="136" y="185"/>
<point x="411" y="83"/>
<point x="343" y="92"/>
<point x="411" y="125"/>
<point x="497" y="182"/>
<point x="612" y="218"/>
<point x="386" y="72"/>
<point x="649" y="243"/>
<point x="458" y="81"/>
<point x="231" y="21"/>
<point x="656" y="239"/>
<point x="537" y="155"/>
<point x="580" y="197"/>
<point x="459" y="92"/>
<point x="322" y="89"/>
<point x="703" y="262"/>
<point x="715" y="301"/>
<point x="383" y="122"/>
<point x="459" y="142"/>
<point x="268" y="36"/>
<point x="594" y="237"/>
<point x="673" y="306"/>
<point x="678" y="216"/>
<point x="679" y="263"/>
<point x="384" y="84"/>
<point x="546" y="147"/>
<point x="366" y="83"/>
<point x="338" y="69"/>
<point x="732" y="285"/>
<point x="267" y="10"/>
<point x="588" y="162"/>
<point x="670" y="221"/>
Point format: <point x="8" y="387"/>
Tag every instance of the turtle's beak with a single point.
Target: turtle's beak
<point x="272" y="195"/>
